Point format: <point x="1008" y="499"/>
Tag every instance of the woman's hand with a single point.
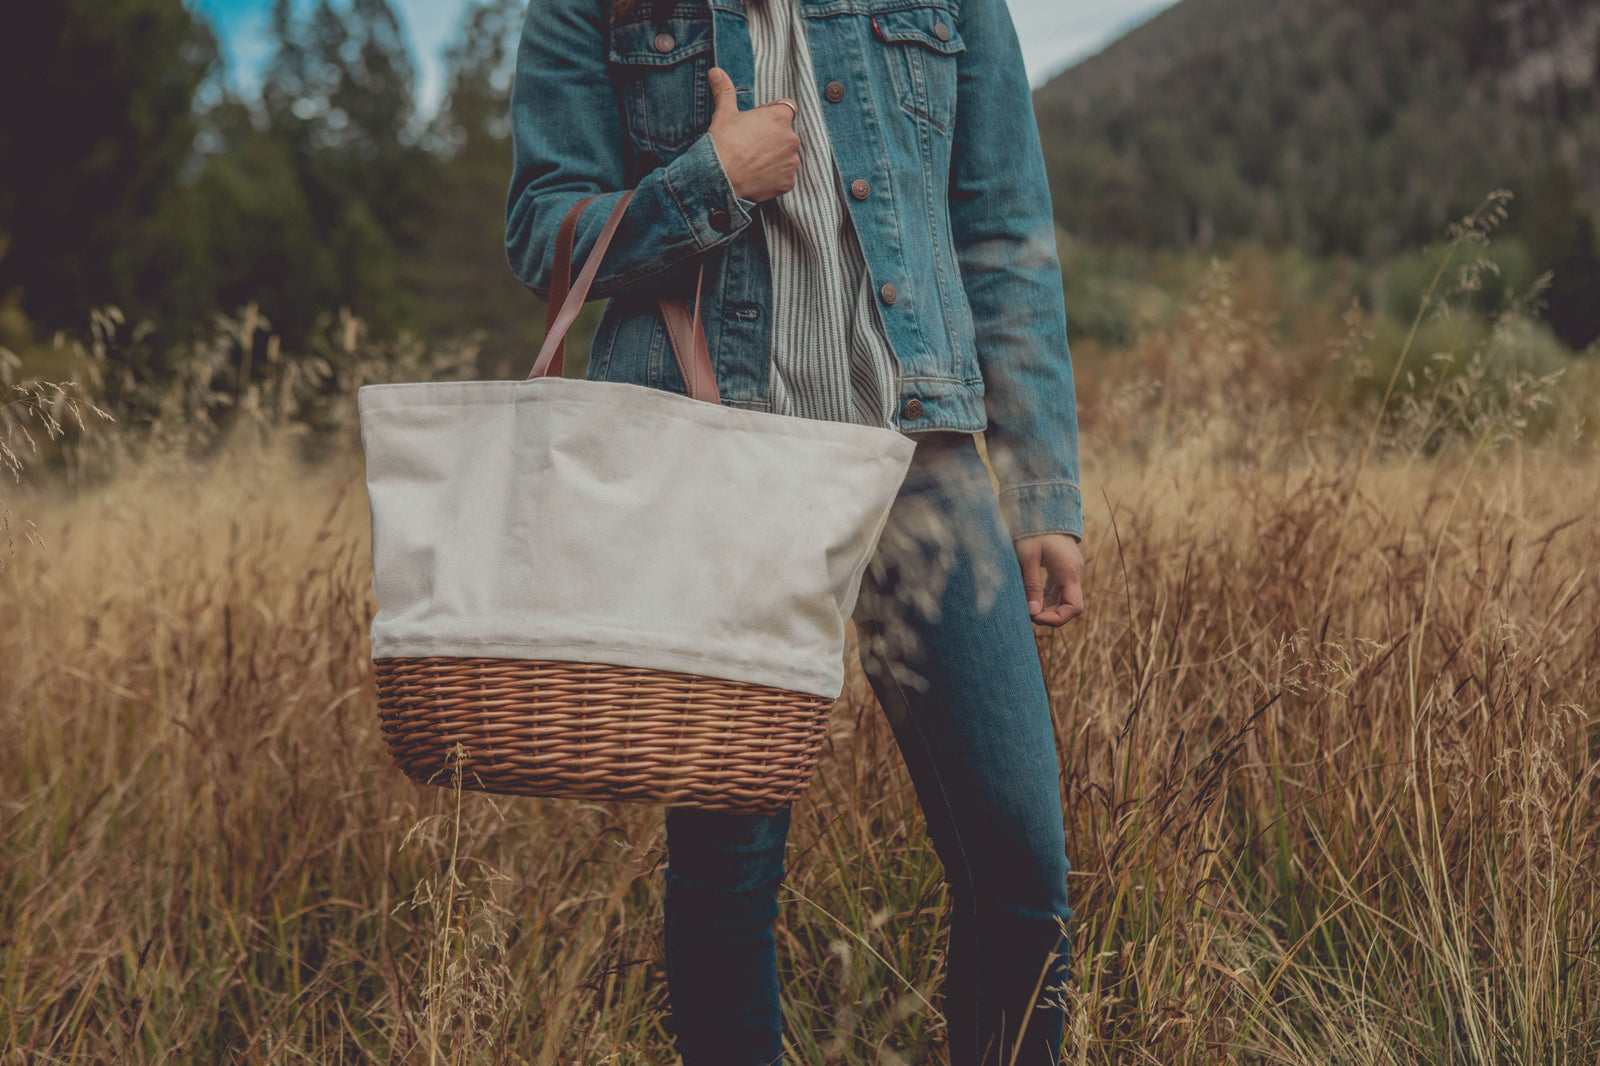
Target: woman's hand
<point x="760" y="150"/>
<point x="1060" y="557"/>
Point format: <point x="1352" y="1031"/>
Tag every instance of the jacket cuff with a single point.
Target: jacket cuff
<point x="699" y="186"/>
<point x="1043" y="507"/>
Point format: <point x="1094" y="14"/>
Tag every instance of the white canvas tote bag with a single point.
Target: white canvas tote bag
<point x="598" y="589"/>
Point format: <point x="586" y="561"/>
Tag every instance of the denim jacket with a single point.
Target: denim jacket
<point x="929" y="111"/>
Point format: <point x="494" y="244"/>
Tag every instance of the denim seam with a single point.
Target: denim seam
<point x="745" y="215"/>
<point x="1015" y="485"/>
<point x="654" y="360"/>
<point x="598" y="365"/>
<point x="926" y="129"/>
<point x="620" y="283"/>
<point x="955" y="833"/>
<point x="690" y="219"/>
<point x="1076" y="534"/>
<point x="877" y="152"/>
<point x="604" y="287"/>
<point x="942" y="379"/>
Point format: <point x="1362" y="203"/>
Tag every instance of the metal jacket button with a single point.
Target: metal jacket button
<point x="941" y="31"/>
<point x="860" y="189"/>
<point x="721" y="221"/>
<point x="834" y="91"/>
<point x="664" y="42"/>
<point x="913" y="409"/>
<point x="889" y="293"/>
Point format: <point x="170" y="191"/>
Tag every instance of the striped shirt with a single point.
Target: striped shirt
<point x="831" y="358"/>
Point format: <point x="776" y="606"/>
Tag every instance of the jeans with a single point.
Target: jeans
<point x="947" y="645"/>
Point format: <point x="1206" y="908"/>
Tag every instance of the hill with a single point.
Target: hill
<point x="1337" y="126"/>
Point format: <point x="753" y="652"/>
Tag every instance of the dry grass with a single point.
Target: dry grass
<point x="1328" y="741"/>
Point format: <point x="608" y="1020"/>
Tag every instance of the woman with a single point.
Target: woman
<point x="863" y="182"/>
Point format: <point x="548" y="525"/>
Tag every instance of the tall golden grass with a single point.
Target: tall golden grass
<point x="1327" y="735"/>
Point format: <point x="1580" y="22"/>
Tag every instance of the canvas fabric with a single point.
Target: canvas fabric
<point x="615" y="523"/>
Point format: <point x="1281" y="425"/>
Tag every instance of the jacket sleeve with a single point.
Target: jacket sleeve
<point x="568" y="142"/>
<point x="1004" y="233"/>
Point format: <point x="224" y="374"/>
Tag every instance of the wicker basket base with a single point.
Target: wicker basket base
<point x="599" y="732"/>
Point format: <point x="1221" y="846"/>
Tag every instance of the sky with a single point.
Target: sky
<point x="1054" y="33"/>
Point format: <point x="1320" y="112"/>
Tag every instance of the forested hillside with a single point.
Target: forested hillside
<point x="1340" y="125"/>
<point x="1337" y="126"/>
<point x="135" y="177"/>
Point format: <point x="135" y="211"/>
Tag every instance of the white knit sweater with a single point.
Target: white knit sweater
<point x="831" y="357"/>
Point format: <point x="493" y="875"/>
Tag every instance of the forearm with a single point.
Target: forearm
<point x="1014" y="286"/>
<point x="679" y="211"/>
<point x="1005" y="240"/>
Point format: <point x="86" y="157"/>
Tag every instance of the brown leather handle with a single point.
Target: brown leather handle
<point x="561" y="280"/>
<point x="687" y="333"/>
<point x="685" y="330"/>
<point x="570" y="303"/>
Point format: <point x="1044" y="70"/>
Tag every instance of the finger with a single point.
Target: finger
<point x="1071" y="603"/>
<point x="779" y="112"/>
<point x="724" y="97"/>
<point x="1066" y="576"/>
<point x="1065" y="608"/>
<point x="1032" y="580"/>
<point x="1057" y="616"/>
<point x="790" y="108"/>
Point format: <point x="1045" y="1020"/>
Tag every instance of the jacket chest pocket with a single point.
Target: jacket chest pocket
<point x="660" y="72"/>
<point x="922" y="47"/>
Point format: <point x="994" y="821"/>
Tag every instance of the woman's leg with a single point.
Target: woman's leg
<point x="723" y="872"/>
<point x="948" y="646"/>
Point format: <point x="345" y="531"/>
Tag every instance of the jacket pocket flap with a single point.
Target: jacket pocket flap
<point x="931" y="27"/>
<point x="650" y="45"/>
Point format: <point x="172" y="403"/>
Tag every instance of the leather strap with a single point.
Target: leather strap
<point x="561" y="280"/>
<point x="572" y="302"/>
<point x="685" y="330"/>
<point x="687" y="333"/>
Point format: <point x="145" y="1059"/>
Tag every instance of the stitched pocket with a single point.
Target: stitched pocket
<point x="660" y="71"/>
<point x="923" y="46"/>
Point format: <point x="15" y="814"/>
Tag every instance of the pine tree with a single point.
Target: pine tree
<point x="96" y="130"/>
<point x="460" y="276"/>
<point x="1564" y="240"/>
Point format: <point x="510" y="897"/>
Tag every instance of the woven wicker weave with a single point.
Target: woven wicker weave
<point x="599" y="732"/>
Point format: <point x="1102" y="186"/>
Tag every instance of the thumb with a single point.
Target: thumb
<point x="724" y="98"/>
<point x="1032" y="582"/>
